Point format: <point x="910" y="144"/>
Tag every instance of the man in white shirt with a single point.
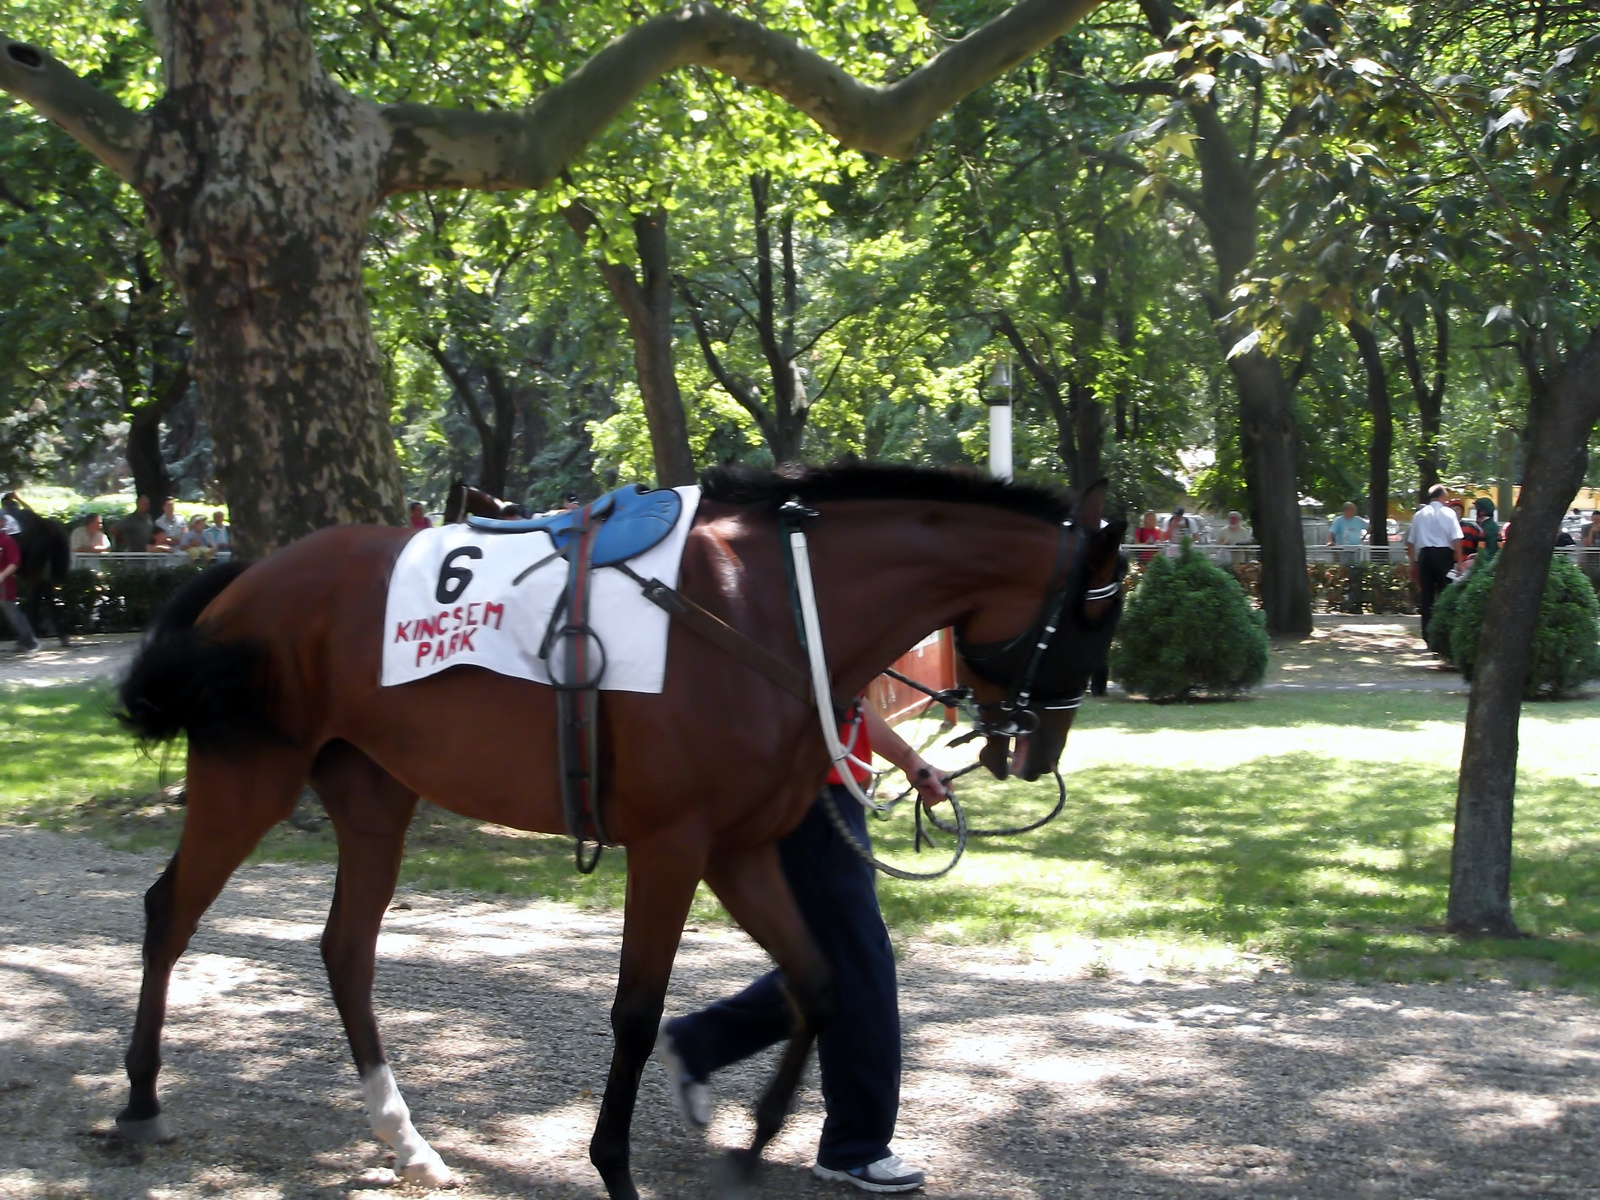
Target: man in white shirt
<point x="1433" y="548"/>
<point x="1235" y="532"/>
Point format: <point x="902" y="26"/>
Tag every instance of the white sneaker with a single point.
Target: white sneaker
<point x="886" y="1175"/>
<point x="692" y="1098"/>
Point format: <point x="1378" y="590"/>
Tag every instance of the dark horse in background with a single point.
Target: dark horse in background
<point x="46" y="559"/>
<point x="698" y="782"/>
<point x="463" y="499"/>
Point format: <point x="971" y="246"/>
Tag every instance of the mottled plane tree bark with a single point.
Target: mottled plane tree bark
<point x="259" y="171"/>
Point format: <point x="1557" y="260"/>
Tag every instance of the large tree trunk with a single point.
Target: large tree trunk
<point x="1267" y="431"/>
<point x="1560" y="421"/>
<point x="1382" y="445"/>
<point x="647" y="305"/>
<point x="260" y="174"/>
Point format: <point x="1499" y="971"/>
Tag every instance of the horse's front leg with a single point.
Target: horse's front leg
<point x="662" y="875"/>
<point x="371" y="811"/>
<point x="752" y="887"/>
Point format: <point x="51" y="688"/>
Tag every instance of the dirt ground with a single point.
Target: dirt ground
<point x="1025" y="1079"/>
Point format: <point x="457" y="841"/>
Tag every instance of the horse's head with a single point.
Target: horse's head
<point x="1029" y="686"/>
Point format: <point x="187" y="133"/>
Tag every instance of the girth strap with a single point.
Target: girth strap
<point x="578" y="702"/>
<point x="722" y="635"/>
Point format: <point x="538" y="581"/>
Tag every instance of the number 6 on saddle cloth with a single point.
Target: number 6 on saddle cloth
<point x="620" y="525"/>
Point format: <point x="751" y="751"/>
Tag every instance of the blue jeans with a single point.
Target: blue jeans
<point x="859" y="1052"/>
<point x="21" y="628"/>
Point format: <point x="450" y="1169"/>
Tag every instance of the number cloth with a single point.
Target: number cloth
<point x="452" y="601"/>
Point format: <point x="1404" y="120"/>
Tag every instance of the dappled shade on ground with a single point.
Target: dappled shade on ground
<point x="1023" y="1081"/>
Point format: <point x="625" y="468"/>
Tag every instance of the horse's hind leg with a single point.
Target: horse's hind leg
<point x="662" y="875"/>
<point x="233" y="800"/>
<point x="371" y="811"/>
<point x="752" y="888"/>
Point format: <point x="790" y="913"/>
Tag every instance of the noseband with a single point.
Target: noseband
<point x="1018" y="663"/>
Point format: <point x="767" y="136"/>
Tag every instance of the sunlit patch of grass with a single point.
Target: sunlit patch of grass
<point x="1307" y="830"/>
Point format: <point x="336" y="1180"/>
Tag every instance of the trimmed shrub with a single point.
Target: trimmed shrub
<point x="1566" y="642"/>
<point x="1442" y="624"/>
<point x="120" y="599"/>
<point x="1188" y="629"/>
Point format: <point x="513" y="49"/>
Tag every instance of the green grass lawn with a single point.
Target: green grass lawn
<point x="1304" y="829"/>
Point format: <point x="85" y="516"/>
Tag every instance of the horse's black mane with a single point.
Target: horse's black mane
<point x="881" y="481"/>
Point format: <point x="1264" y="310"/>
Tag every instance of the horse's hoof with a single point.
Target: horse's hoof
<point x="429" y="1172"/>
<point x="734" y="1173"/>
<point x="152" y="1131"/>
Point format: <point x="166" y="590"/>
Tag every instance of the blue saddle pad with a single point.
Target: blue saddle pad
<point x="636" y="519"/>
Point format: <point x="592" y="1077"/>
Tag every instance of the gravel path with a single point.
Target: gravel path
<point x="94" y="657"/>
<point x="1024" y="1079"/>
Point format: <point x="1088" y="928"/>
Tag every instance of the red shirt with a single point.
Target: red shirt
<point x="853" y="736"/>
<point x="10" y="556"/>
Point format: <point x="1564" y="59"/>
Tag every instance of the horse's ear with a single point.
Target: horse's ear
<point x="1091" y="506"/>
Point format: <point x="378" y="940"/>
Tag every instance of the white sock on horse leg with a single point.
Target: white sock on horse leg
<point x="414" y="1159"/>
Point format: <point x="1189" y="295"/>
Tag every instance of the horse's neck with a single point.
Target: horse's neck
<point x="898" y="576"/>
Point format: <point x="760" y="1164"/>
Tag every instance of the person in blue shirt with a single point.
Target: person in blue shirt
<point x="1348" y="529"/>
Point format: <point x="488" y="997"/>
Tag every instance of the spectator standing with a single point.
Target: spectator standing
<point x="1488" y="526"/>
<point x="169" y="522"/>
<point x="1147" y="534"/>
<point x="10" y="564"/>
<point x="89" y="538"/>
<point x="133" y="532"/>
<point x="1235" y="532"/>
<point x="419" y="518"/>
<point x="1433" y="548"/>
<point x="1348" y="529"/>
<point x="218" y="536"/>
<point x="1591" y="533"/>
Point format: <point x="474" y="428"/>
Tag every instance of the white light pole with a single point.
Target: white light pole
<point x="999" y="402"/>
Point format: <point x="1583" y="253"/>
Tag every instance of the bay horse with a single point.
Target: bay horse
<point x="273" y="671"/>
<point x="46" y="559"/>
<point x="463" y="498"/>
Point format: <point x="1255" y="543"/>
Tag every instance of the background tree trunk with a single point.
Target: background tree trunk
<point x="1382" y="445"/>
<point x="1267" y="431"/>
<point x="1429" y="395"/>
<point x="647" y="305"/>
<point x="1561" y="420"/>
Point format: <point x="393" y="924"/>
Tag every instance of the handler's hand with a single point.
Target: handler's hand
<point x="932" y="786"/>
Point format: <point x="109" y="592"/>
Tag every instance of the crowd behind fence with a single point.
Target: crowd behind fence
<point x="1586" y="557"/>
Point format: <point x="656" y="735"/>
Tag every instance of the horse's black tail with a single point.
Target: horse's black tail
<point x="60" y="551"/>
<point x="185" y="682"/>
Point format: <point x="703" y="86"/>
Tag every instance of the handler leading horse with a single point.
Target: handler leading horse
<point x="277" y="680"/>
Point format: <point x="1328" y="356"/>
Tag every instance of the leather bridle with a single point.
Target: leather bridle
<point x="1020" y="662"/>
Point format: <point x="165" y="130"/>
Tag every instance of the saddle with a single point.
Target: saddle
<point x="620" y="525"/>
<point x="631" y="520"/>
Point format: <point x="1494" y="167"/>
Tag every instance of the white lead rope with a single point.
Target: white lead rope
<point x="821" y="687"/>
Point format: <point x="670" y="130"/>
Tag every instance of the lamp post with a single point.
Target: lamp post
<point x="998" y="398"/>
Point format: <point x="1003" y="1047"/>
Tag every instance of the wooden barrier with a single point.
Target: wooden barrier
<point x="932" y="663"/>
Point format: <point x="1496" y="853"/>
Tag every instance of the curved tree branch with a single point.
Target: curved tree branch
<point x="439" y="147"/>
<point x="111" y="132"/>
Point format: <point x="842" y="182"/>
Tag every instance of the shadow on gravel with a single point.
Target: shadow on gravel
<point x="1019" y="1083"/>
